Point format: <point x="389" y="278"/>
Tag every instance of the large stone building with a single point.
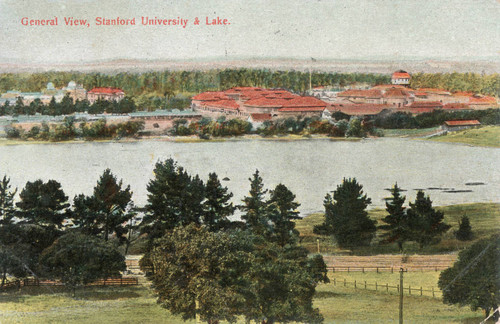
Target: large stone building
<point x="244" y="101"/>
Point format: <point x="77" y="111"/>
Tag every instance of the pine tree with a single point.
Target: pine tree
<point x="464" y="232"/>
<point x="217" y="206"/>
<point x="282" y="211"/>
<point x="397" y="222"/>
<point x="346" y="217"/>
<point x="105" y="212"/>
<point x="174" y="199"/>
<point x="254" y="207"/>
<point x="426" y="223"/>
<point x="6" y="201"/>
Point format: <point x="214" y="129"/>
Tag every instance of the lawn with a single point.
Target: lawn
<point x="483" y="136"/>
<point x="138" y="304"/>
<point x="484" y="219"/>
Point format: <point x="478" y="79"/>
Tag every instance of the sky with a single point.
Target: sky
<point x="322" y="29"/>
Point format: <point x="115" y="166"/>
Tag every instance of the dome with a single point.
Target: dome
<point x="72" y="84"/>
<point x="50" y="86"/>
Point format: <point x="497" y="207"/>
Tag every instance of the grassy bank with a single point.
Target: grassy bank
<point x="484" y="136"/>
<point x="417" y="132"/>
<point x="484" y="219"/>
<point x="138" y="304"/>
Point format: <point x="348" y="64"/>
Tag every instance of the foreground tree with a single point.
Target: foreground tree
<point x="426" y="223"/>
<point x="197" y="272"/>
<point x="474" y="279"/>
<point x="217" y="206"/>
<point x="174" y="199"/>
<point x="282" y="209"/>
<point x="78" y="259"/>
<point x="6" y="201"/>
<point x="397" y="227"/>
<point x="105" y="212"/>
<point x="346" y="217"/>
<point x="225" y="274"/>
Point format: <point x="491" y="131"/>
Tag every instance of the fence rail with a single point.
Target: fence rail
<point x="356" y="268"/>
<point x="18" y="284"/>
<point x="385" y="287"/>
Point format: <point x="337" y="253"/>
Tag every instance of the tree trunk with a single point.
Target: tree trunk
<point x="4" y="277"/>
<point x="400" y="246"/>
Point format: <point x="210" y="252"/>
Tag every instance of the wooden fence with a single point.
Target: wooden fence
<point x="385" y="287"/>
<point x="355" y="268"/>
<point x="18" y="284"/>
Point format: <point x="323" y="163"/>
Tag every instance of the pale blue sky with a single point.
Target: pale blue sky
<point x="334" y="29"/>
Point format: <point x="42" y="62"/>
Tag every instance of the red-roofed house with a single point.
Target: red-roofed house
<point x="456" y="125"/>
<point x="483" y="102"/>
<point x="401" y="77"/>
<point x="110" y="94"/>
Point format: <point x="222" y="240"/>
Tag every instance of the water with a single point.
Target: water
<point x="309" y="168"/>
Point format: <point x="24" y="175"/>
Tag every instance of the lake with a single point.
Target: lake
<point x="309" y="168"/>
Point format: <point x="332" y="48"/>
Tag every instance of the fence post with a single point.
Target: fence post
<point x="376" y="286"/>
<point x="334" y="282"/>
<point x="121" y="281"/>
<point x="433" y="292"/>
<point x="354" y="284"/>
<point x="347" y="269"/>
<point x="344" y="282"/>
<point x="365" y="284"/>
<point x="409" y="290"/>
<point x="421" y="291"/>
<point x="377" y="269"/>
<point x="363" y="269"/>
<point x="392" y="270"/>
<point x="387" y="287"/>
<point x="333" y="269"/>
<point x="397" y="288"/>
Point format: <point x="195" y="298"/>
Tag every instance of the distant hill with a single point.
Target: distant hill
<point x="323" y="65"/>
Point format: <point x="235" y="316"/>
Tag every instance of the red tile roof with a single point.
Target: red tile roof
<point x="435" y="91"/>
<point x="396" y="93"/>
<point x="420" y="93"/>
<point x="456" y="106"/>
<point x="264" y="102"/>
<point x="462" y="122"/>
<point x="107" y="91"/>
<point x="304" y="102"/>
<point x="463" y="94"/>
<point x="426" y="104"/>
<point x="400" y="75"/>
<point x="482" y="100"/>
<point x="299" y="109"/>
<point x="260" y="117"/>
<point x="210" y="96"/>
<point x="388" y="86"/>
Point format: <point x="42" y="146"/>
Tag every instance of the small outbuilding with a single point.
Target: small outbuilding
<point x="456" y="125"/>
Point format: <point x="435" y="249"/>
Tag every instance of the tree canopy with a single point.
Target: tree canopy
<point x="474" y="279"/>
<point x="396" y="222"/>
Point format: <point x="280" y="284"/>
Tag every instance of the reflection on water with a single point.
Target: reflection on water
<point x="309" y="168"/>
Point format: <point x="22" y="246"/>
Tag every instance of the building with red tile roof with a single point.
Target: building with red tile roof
<point x="401" y="78"/>
<point x="456" y="125"/>
<point x="104" y="93"/>
<point x="360" y="109"/>
<point x="251" y="100"/>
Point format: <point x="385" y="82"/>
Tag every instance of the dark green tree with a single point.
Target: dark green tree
<point x="282" y="210"/>
<point x="464" y="232"/>
<point x="474" y="279"/>
<point x="7" y="211"/>
<point x="200" y="272"/>
<point x="255" y="208"/>
<point x="67" y="106"/>
<point x="174" y="198"/>
<point x="105" y="212"/>
<point x="426" y="223"/>
<point x="396" y="223"/>
<point x="77" y="259"/>
<point x="217" y="206"/>
<point x="346" y="217"/>
<point x="43" y="203"/>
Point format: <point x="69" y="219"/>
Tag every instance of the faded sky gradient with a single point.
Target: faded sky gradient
<point x="334" y="29"/>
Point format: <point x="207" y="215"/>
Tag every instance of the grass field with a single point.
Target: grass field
<point x="484" y="219"/>
<point x="417" y="132"/>
<point x="138" y="304"/>
<point x="484" y="136"/>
